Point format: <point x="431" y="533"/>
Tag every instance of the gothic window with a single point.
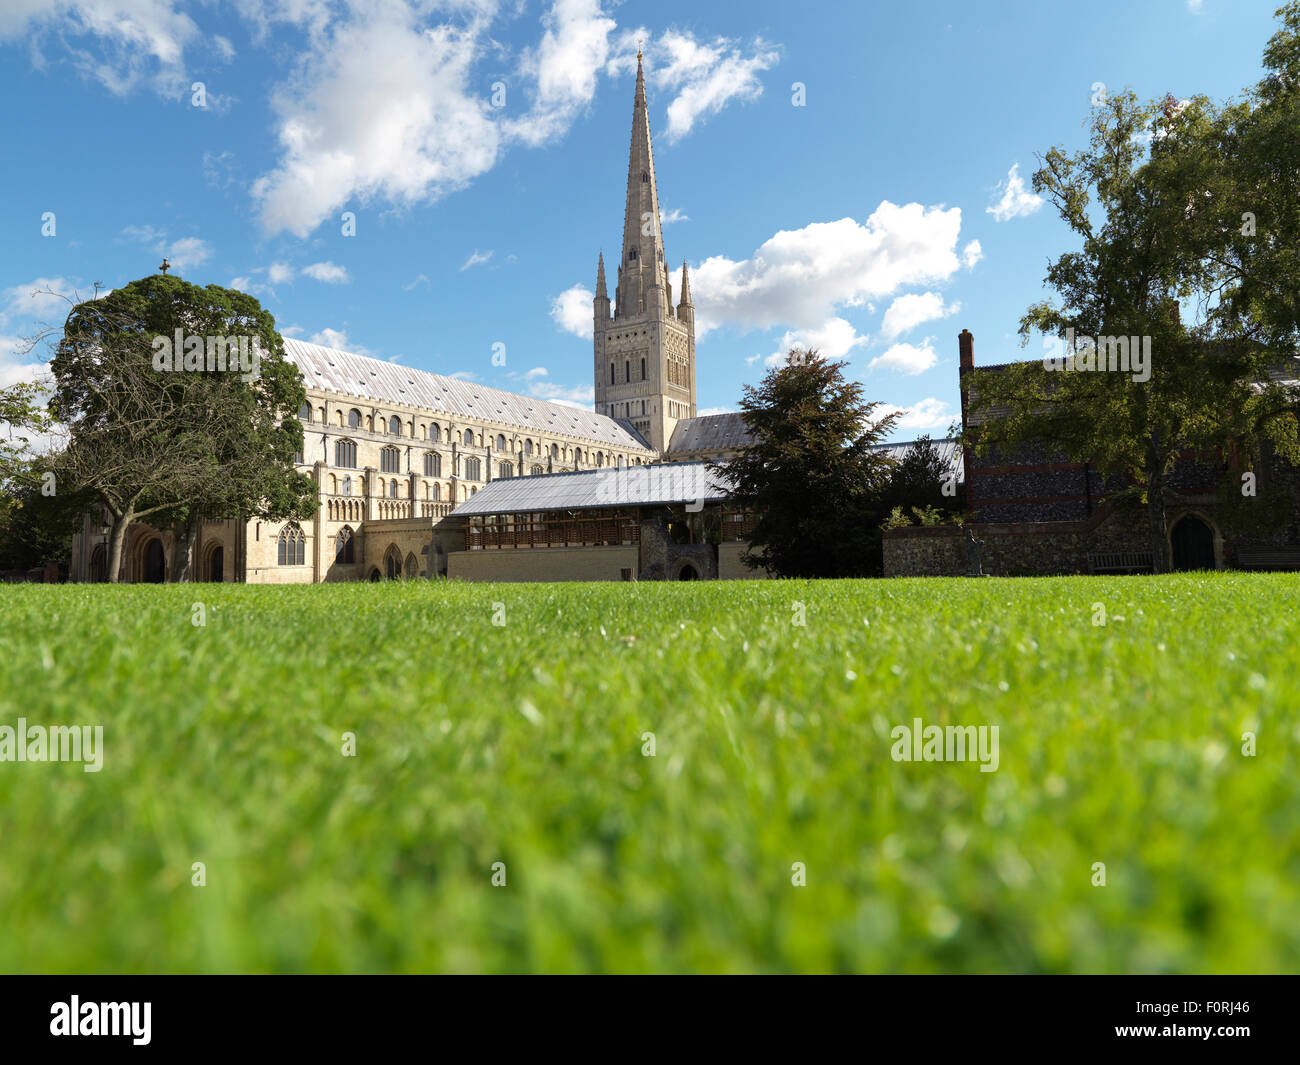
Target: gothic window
<point x="304" y="412"/>
<point x="643" y="369"/>
<point x="507" y="469"/>
<point x="395" y="425"/>
<point x="347" y="486"/>
<point x="392" y="489"/>
<point x="390" y="460"/>
<point x="555" y="451"/>
<point x="354" y="418"/>
<point x="528" y="447"/>
<point x="437" y="491"/>
<point x="473" y="469"/>
<point x="501" y="442"/>
<point x="345" y="454"/>
<point x="631" y="254"/>
<point x="345" y="546"/>
<point x="537" y="470"/>
<point x="292" y="547"/>
<point x="645" y="177"/>
<point x="611" y="373"/>
<point x="435" y="433"/>
<point x="627" y="371"/>
<point x="469" y="437"/>
<point x="600" y="458"/>
<point x="432" y="464"/>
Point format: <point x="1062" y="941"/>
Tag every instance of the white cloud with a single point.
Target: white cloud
<point x="328" y="272"/>
<point x="571" y="310"/>
<point x="1017" y="201"/>
<point x="908" y="358"/>
<point x="799" y="278"/>
<point x="338" y="339"/>
<point x="667" y="218"/>
<point x="832" y="340"/>
<point x="181" y="254"/>
<point x="476" y="259"/>
<point x="708" y="411"/>
<point x="570" y="395"/>
<point x="909" y="311"/>
<point x="925" y="415"/>
<point x="535" y="372"/>
<point x="705" y="76"/>
<point x="136" y="39"/>
<point x="563" y="67"/>
<point x="279" y="273"/>
<point x="43" y="298"/>
<point x="381" y="105"/>
<point x="971" y="254"/>
<point x="420" y="279"/>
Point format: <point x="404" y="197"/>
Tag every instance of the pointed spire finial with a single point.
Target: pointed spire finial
<point x="686" y="284"/>
<point x="601" y="293"/>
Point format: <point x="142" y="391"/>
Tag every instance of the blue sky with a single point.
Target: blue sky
<point x="482" y="147"/>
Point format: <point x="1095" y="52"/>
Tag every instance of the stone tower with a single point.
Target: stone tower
<point x="645" y="352"/>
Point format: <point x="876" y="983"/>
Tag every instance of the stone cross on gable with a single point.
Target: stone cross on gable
<point x="165" y="266"/>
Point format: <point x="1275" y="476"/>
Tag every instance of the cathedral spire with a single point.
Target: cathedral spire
<point x="643" y="247"/>
<point x="600" y="278"/>
<point x="686" y="286"/>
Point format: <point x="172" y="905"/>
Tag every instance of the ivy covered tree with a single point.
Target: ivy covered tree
<point x="180" y="407"/>
<point x="812" y="476"/>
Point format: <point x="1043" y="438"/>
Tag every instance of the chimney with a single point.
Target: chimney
<point x="966" y="348"/>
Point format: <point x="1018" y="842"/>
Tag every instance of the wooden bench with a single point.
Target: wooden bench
<point x="1268" y="557"/>
<point x="1120" y="562"/>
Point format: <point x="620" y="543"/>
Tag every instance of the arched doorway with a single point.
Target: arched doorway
<point x="155" y="563"/>
<point x="393" y="563"/>
<point x="217" y="564"/>
<point x="1192" y="541"/>
<point x="375" y="575"/>
<point x="98" y="565"/>
<point x="688" y="573"/>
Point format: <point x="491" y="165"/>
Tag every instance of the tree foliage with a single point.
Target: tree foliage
<point x="1188" y="220"/>
<point x="812" y="475"/>
<point x="177" y="447"/>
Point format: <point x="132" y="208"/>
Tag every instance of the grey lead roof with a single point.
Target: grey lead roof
<point x="331" y="370"/>
<point x="674" y="482"/>
<point x="708" y="433"/>
<point x="948" y="450"/>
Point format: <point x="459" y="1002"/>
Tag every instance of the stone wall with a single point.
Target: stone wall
<point x="543" y="564"/>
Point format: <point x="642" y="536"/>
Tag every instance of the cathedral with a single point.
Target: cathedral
<point x="422" y="475"/>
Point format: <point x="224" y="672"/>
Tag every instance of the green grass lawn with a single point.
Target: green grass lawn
<point x="522" y="743"/>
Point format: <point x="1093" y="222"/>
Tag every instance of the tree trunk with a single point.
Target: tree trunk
<point x="183" y="554"/>
<point x="116" y="537"/>
<point x="1160" y="554"/>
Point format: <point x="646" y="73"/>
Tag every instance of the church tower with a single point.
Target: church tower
<point x="645" y="352"/>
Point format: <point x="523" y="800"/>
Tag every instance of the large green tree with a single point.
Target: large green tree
<point x="812" y="475"/>
<point x="1187" y="236"/>
<point x="183" y="444"/>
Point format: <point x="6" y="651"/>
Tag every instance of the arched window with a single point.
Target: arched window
<point x="473" y="470"/>
<point x="347" y="486"/>
<point x="354" y="418"/>
<point x="390" y="460"/>
<point x="437" y="491"/>
<point x="627" y="371"/>
<point x="600" y="458"/>
<point x="631" y="254"/>
<point x="501" y="442"/>
<point x="292" y="548"/>
<point x="528" y="447"/>
<point x="555" y="451"/>
<point x="334" y="485"/>
<point x="643" y="369"/>
<point x="432" y="464"/>
<point x="345" y="454"/>
<point x="395" y="425"/>
<point x="345" y="546"/>
<point x="507" y="469"/>
<point x="304" y="412"/>
<point x="392" y="489"/>
<point x="469" y="437"/>
<point x="537" y="470"/>
<point x="611" y="373"/>
<point x="645" y="176"/>
<point x="435" y="433"/>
